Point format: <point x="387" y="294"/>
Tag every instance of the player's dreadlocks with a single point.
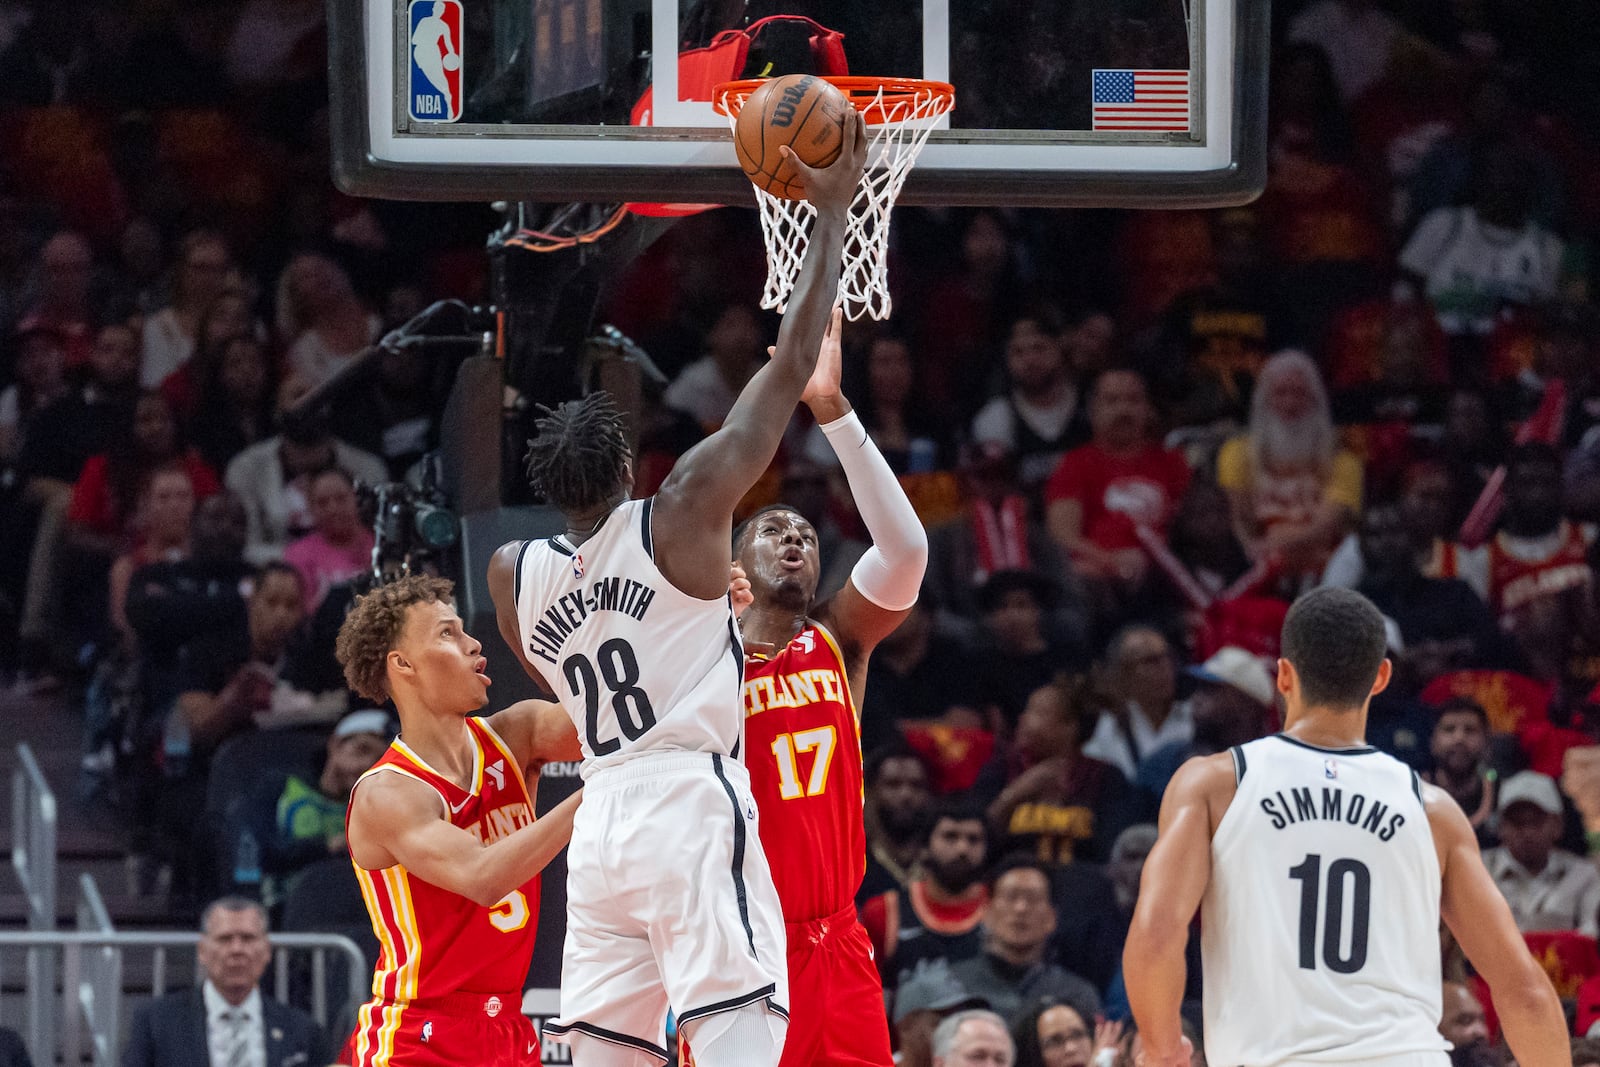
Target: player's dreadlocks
<point x="576" y="460"/>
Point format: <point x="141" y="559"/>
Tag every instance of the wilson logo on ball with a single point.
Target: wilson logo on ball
<point x="783" y="113"/>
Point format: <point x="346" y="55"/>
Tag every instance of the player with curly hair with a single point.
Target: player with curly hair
<point x="443" y="837"/>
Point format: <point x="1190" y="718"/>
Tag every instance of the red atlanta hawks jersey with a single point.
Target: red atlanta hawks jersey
<point x="434" y="942"/>
<point x="1515" y="579"/>
<point x="804" y="758"/>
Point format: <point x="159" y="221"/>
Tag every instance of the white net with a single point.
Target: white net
<point x="900" y="116"/>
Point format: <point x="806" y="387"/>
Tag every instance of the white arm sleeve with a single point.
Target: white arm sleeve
<point x="890" y="573"/>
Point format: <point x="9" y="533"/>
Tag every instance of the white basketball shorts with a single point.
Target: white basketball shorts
<point x="669" y="902"/>
<point x="1400" y="1059"/>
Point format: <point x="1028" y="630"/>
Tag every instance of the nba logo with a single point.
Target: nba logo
<point x="1330" y="768"/>
<point x="427" y="1031"/>
<point x="577" y="566"/>
<point x="435" y="90"/>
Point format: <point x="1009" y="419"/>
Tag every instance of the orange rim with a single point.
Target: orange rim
<point x="878" y="99"/>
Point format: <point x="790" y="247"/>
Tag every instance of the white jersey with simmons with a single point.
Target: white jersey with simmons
<point x="639" y="665"/>
<point x="1320" y="928"/>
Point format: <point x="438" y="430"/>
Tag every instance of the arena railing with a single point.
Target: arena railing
<point x="33" y="856"/>
<point x="93" y="986"/>
<point x="96" y="976"/>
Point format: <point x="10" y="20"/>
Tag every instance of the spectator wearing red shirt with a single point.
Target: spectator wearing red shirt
<point x="1103" y="492"/>
<point x="65" y="279"/>
<point x="104" y="497"/>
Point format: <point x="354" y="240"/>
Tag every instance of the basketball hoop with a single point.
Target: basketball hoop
<point x="902" y="112"/>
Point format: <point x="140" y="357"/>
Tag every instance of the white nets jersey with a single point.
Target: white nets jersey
<point x="1320" y="929"/>
<point x="640" y="666"/>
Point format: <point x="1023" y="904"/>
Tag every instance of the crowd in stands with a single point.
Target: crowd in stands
<point x="1134" y="438"/>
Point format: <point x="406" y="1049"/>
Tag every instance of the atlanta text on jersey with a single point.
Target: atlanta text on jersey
<point x="795" y="690"/>
<point x="501" y="821"/>
<point x="1372" y="816"/>
<point x="572" y="610"/>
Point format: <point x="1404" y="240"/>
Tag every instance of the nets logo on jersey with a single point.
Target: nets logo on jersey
<point x="434" y="93"/>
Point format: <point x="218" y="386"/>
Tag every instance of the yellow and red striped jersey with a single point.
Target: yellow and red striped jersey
<point x="804" y="760"/>
<point x="435" y="943"/>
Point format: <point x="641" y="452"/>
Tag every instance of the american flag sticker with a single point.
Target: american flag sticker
<point x="1135" y="100"/>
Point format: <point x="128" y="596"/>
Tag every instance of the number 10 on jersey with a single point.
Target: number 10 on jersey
<point x="1341" y="872"/>
<point x="787" y="748"/>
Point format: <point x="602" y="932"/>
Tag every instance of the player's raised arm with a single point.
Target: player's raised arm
<point x="1476" y="912"/>
<point x="537" y="732"/>
<point x="408" y="817"/>
<point x="1174" y="881"/>
<point x="503" y="591"/>
<point x="884" y="584"/>
<point x="695" y="504"/>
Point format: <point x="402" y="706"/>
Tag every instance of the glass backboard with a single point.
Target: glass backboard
<point x="1115" y="102"/>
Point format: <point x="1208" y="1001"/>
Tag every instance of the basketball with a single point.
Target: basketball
<point x="802" y="111"/>
<point x="452" y="62"/>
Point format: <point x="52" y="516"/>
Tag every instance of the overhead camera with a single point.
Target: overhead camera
<point x="411" y="525"/>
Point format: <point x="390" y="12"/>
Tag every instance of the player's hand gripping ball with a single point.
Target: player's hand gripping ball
<point x="801" y="111"/>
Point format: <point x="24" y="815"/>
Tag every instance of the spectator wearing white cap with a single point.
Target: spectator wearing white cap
<point x="924" y="998"/>
<point x="1548" y="888"/>
<point x="1230" y="705"/>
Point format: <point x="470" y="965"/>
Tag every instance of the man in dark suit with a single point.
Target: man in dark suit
<point x="13" y="1053"/>
<point x="226" y="1022"/>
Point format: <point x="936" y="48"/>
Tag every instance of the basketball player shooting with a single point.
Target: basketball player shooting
<point x="805" y="668"/>
<point x="669" y="897"/>
<point x="1321" y="868"/>
<point x="444" y="840"/>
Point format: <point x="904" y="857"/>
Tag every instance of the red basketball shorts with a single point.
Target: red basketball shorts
<point x="483" y="1029"/>
<point x="836" y="1013"/>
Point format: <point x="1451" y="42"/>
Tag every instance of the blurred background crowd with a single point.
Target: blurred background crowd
<point x="1134" y="438"/>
